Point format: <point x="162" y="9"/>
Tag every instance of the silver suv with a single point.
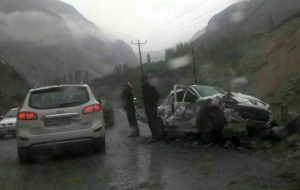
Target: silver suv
<point x="58" y="117"/>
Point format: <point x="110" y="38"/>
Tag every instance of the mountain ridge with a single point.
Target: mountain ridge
<point x="55" y="40"/>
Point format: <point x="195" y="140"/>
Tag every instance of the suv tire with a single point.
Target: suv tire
<point x="100" y="145"/>
<point x="24" y="156"/>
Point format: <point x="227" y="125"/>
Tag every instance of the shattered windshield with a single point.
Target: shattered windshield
<point x="205" y="91"/>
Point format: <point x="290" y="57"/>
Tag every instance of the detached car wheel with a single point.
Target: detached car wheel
<point x="24" y="156"/>
<point x="210" y="125"/>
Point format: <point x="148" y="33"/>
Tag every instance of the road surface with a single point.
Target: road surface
<point x="134" y="164"/>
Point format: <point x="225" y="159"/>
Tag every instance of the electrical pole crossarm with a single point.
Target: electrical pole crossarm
<point x="140" y="54"/>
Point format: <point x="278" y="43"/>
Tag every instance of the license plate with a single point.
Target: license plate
<point x="57" y="122"/>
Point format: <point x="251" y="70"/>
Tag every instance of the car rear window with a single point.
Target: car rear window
<point x="58" y="97"/>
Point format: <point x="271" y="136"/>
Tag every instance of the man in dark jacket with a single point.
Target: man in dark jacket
<point x="151" y="97"/>
<point x="128" y="102"/>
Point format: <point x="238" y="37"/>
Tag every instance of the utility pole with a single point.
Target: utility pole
<point x="139" y="45"/>
<point x="194" y="64"/>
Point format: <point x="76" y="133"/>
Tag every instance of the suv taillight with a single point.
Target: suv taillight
<point x="27" y="116"/>
<point x="91" y="109"/>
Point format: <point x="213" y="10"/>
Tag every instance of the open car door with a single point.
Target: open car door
<point x="183" y="117"/>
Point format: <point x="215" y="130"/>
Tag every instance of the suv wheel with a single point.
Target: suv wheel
<point x="210" y="125"/>
<point x="2" y="137"/>
<point x="100" y="145"/>
<point x="24" y="156"/>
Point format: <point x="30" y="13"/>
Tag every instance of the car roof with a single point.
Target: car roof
<point x="13" y="109"/>
<point x="55" y="86"/>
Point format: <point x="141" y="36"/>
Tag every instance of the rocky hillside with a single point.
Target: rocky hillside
<point x="252" y="46"/>
<point x="48" y="39"/>
<point x="13" y="87"/>
<point x="249" y="18"/>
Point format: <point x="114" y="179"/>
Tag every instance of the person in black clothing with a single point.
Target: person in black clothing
<point x="151" y="97"/>
<point x="128" y="102"/>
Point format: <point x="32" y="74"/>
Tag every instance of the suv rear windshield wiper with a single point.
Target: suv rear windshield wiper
<point x="68" y="104"/>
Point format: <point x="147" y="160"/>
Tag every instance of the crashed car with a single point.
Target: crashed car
<point x="206" y="109"/>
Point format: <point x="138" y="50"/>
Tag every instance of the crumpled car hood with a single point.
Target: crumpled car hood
<point x="247" y="100"/>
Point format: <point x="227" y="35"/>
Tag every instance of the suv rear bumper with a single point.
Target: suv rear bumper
<point x="82" y="143"/>
<point x="26" y="139"/>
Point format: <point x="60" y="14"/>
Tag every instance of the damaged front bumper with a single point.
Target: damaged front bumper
<point x="232" y="116"/>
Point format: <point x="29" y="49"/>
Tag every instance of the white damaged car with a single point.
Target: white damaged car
<point x="206" y="109"/>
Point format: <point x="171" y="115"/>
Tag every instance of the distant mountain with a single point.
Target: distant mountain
<point x="249" y="18"/>
<point x="48" y="39"/>
<point x="198" y="34"/>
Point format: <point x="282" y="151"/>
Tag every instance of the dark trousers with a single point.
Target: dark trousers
<point x="151" y="113"/>
<point x="132" y="121"/>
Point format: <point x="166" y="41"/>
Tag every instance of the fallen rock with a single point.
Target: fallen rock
<point x="294" y="126"/>
<point x="241" y="149"/>
<point x="210" y="145"/>
<point x="294" y="155"/>
<point x="195" y="144"/>
<point x="234" y="130"/>
<point x="229" y="145"/>
<point x="280" y="132"/>
<point x="293" y="139"/>
<point x="260" y="144"/>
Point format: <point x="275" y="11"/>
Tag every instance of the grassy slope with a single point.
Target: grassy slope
<point x="274" y="70"/>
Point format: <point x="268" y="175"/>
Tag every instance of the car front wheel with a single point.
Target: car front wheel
<point x="210" y="125"/>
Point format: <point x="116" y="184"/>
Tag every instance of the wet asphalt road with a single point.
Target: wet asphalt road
<point x="134" y="164"/>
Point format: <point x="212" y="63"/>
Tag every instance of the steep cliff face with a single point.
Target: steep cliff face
<point x="48" y="39"/>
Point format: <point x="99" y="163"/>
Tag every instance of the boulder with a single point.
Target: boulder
<point x="293" y="139"/>
<point x="234" y="130"/>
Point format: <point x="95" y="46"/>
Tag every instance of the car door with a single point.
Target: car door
<point x="184" y="114"/>
<point x="166" y="109"/>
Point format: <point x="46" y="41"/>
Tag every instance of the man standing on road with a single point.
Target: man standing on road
<point x="128" y="102"/>
<point x="151" y="97"/>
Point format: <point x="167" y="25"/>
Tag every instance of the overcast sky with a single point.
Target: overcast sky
<point x="162" y="22"/>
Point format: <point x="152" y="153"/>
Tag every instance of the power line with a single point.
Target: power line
<point x="198" y="18"/>
<point x="178" y="17"/>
